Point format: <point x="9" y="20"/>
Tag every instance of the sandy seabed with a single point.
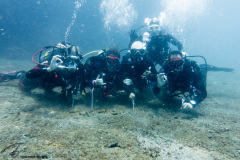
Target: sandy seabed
<point x="41" y="125"/>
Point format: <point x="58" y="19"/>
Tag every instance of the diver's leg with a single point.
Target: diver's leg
<point x="28" y="84"/>
<point x="10" y="76"/>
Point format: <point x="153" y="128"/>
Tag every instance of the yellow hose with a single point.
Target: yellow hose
<point x="90" y="53"/>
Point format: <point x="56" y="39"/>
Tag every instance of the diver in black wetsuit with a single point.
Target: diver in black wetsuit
<point x="60" y="67"/>
<point x="182" y="76"/>
<point x="137" y="69"/>
<point x="157" y="41"/>
<point x="102" y="72"/>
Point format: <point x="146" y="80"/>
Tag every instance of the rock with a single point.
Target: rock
<point x="11" y="112"/>
<point x="114" y="113"/>
<point x="48" y="142"/>
<point x="102" y="111"/>
<point x="83" y="113"/>
<point x="114" y="145"/>
<point x="153" y="155"/>
<point x="18" y="113"/>
<point x="226" y="129"/>
<point x="74" y="110"/>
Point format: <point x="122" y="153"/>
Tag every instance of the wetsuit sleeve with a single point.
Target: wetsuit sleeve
<point x="93" y="67"/>
<point x="36" y="72"/>
<point x="124" y="74"/>
<point x="199" y="86"/>
<point x="89" y="76"/>
<point x="133" y="37"/>
<point x="124" y="68"/>
<point x="153" y="76"/>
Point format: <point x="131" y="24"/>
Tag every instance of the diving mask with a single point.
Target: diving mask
<point x="176" y="62"/>
<point x="137" y="51"/>
<point x="112" y="60"/>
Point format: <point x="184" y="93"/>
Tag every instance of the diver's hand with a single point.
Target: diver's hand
<point x="133" y="35"/>
<point x="147" y="73"/>
<point x="55" y="63"/>
<point x="128" y="82"/>
<point x="132" y="96"/>
<point x="184" y="54"/>
<point x="161" y="80"/>
<point x="99" y="82"/>
<point x="186" y="106"/>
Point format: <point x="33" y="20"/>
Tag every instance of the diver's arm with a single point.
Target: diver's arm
<point x="194" y="98"/>
<point x="36" y="72"/>
<point x="133" y="37"/>
<point x="10" y="75"/>
<point x="92" y="77"/>
<point x="153" y="72"/>
<point x="199" y="86"/>
<point x="127" y="82"/>
<point x="125" y="76"/>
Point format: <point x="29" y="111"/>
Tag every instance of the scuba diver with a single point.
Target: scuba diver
<point x="157" y="41"/>
<point x="137" y="69"/>
<point x="102" y="72"/>
<point x="182" y="76"/>
<point x="59" y="67"/>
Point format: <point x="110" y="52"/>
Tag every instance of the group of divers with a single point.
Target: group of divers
<point x="62" y="66"/>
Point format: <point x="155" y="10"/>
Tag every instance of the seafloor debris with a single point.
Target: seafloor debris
<point x="114" y="145"/>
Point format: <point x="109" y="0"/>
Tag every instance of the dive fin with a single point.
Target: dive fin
<point x="214" y="68"/>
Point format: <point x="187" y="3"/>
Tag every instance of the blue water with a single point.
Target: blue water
<point x="206" y="27"/>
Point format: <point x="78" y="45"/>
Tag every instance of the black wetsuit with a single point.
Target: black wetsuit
<point x="96" y="68"/>
<point x="158" y="47"/>
<point x="188" y="79"/>
<point x="39" y="77"/>
<point x="134" y="69"/>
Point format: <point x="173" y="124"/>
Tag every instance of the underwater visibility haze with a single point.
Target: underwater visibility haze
<point x="204" y="26"/>
<point x="209" y="28"/>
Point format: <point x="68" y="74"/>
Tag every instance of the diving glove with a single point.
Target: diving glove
<point x="128" y="82"/>
<point x="99" y="82"/>
<point x="147" y="73"/>
<point x="55" y="63"/>
<point x="186" y="106"/>
<point x="132" y="96"/>
<point x="161" y="80"/>
<point x="133" y="35"/>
